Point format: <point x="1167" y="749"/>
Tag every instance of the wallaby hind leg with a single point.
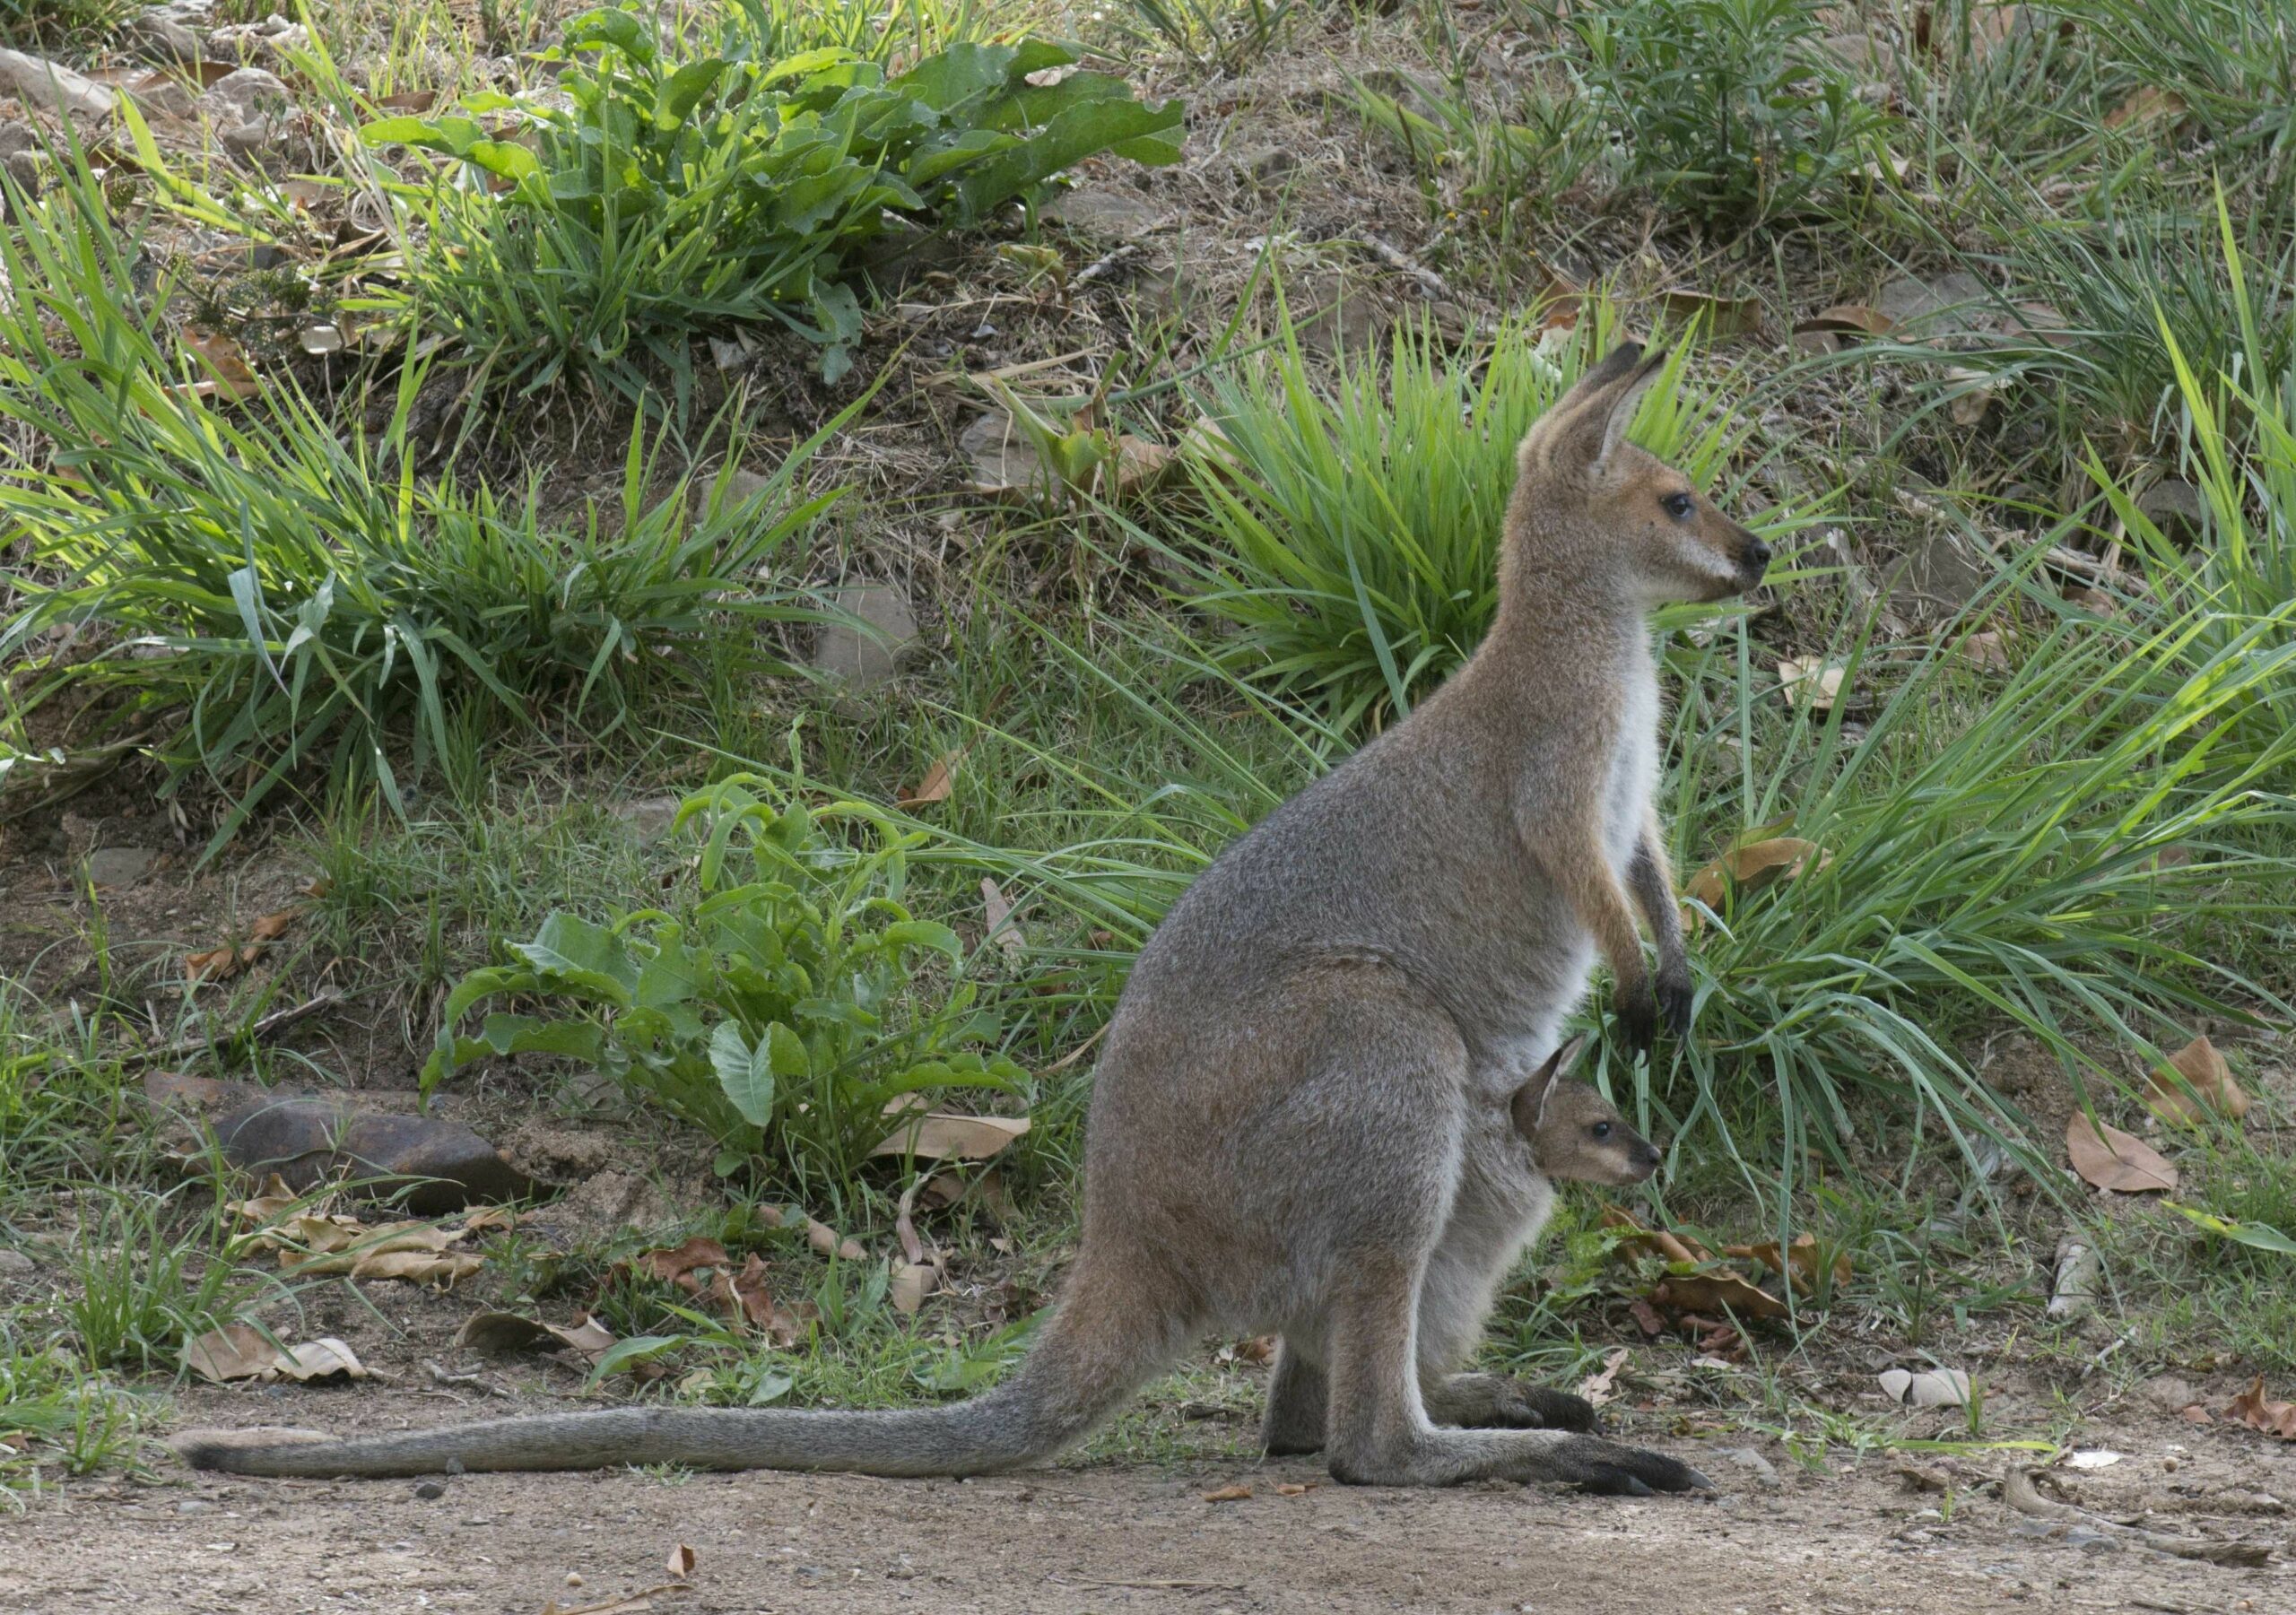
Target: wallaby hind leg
<point x="1495" y="1204"/>
<point x="1297" y="1396"/>
<point x="1380" y="1435"/>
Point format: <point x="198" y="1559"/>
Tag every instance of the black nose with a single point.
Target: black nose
<point x="1757" y="556"/>
<point x="1647" y="1156"/>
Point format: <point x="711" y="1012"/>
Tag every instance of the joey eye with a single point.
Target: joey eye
<point x="1601" y="1130"/>
<point x="1677" y="505"/>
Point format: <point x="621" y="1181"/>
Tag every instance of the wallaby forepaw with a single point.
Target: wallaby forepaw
<point x="1675" y="995"/>
<point x="1560" y="1410"/>
<point x="1637" y="1018"/>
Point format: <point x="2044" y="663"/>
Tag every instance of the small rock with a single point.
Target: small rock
<point x="431" y="1491"/>
<point x="16" y="137"/>
<point x="120" y="865"/>
<point x="23" y="167"/>
<point x="1952" y="304"/>
<point x="249" y="142"/>
<point x="1938" y="579"/>
<point x="2091" y="1541"/>
<point x="742" y="486"/>
<point x="1341" y="319"/>
<point x="38" y="81"/>
<point x="167" y="98"/>
<point x="157" y="37"/>
<point x="2170" y="1392"/>
<point x="1264" y="165"/>
<point x="244" y="96"/>
<point x="1115" y="214"/>
<point x="1746" y="1458"/>
<point x="649" y="817"/>
<point x="15" y="1263"/>
<point x="861" y="659"/>
<point x="2175" y="507"/>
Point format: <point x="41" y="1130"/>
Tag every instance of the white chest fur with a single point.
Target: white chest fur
<point x="1634" y="764"/>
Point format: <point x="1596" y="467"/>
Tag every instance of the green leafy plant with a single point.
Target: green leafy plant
<point x="259" y="594"/>
<point x="681" y="195"/>
<point x="1495" y="170"/>
<point x="1351" y="535"/>
<point x="783" y="1012"/>
<point x="1729" y="109"/>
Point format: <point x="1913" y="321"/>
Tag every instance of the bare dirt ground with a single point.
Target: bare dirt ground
<point x="1110" y="1536"/>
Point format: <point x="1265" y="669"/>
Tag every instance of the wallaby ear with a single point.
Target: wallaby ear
<point x="1623" y="402"/>
<point x="1588" y="423"/>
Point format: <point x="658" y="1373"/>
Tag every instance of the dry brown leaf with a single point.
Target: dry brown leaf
<point x="1753" y="865"/>
<point x="2192" y="1413"/>
<point x="2212" y="1090"/>
<point x="943" y="1135"/>
<point x="271" y="927"/>
<point x="323" y="1358"/>
<point x="1229" y="1494"/>
<point x="680" y="1562"/>
<point x="1646" y="1317"/>
<point x="1721" y="316"/>
<point x="633" y="1603"/>
<point x="1861" y="319"/>
<point x="2147" y="106"/>
<point x="1989" y="650"/>
<point x="1717" y="1292"/>
<point x="912" y="1282"/>
<point x="218" y="964"/>
<point x="782" y="1326"/>
<point x="2116" y="1160"/>
<point x="1295" y="1488"/>
<point x="1654" y="1242"/>
<point x="939" y="780"/>
<point x="826" y="1241"/>
<point x="1002" y="930"/>
<point x="676" y="1266"/>
<point x="234" y="1351"/>
<point x="1257" y="1349"/>
<point x="226" y="364"/>
<point x="1816" y="685"/>
<point x="1800" y="1262"/>
<point x="1140" y="465"/>
<point x="409" y="101"/>
<point x="1599" y="1388"/>
<point x="2273" y="1418"/>
<point x="1817" y="343"/>
<point x="273" y="1199"/>
<point x="1972" y="395"/>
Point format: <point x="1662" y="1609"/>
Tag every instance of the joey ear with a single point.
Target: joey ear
<point x="1530" y="1105"/>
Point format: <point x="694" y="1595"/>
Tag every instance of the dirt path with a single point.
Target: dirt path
<point x="1112" y="1538"/>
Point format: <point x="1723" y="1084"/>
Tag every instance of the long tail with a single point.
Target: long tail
<point x="1084" y="1367"/>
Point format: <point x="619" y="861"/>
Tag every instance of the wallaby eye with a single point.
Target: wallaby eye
<point x="1677" y="505"/>
<point x="1601" y="1130"/>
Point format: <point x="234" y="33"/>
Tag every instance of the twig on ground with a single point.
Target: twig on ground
<point x="2018" y="1491"/>
<point x="1433" y="287"/>
<point x="1102" y="268"/>
<point x="274" y="1022"/>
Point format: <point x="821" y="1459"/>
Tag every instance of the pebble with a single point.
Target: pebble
<point x="431" y="1491"/>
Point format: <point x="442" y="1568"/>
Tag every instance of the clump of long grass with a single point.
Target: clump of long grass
<point x="257" y="594"/>
<point x="1347" y="529"/>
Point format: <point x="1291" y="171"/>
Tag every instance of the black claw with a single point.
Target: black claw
<point x="1634" y="1486"/>
<point x="1699" y="1482"/>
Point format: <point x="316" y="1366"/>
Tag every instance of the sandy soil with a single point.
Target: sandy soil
<point x="1111" y="1536"/>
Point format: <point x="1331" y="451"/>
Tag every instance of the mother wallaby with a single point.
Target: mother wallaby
<point x="1302" y="1117"/>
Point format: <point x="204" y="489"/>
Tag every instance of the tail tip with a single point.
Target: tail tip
<point x="233" y="1449"/>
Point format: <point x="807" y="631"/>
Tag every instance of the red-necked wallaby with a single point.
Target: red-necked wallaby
<point x="1303" y="1118"/>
